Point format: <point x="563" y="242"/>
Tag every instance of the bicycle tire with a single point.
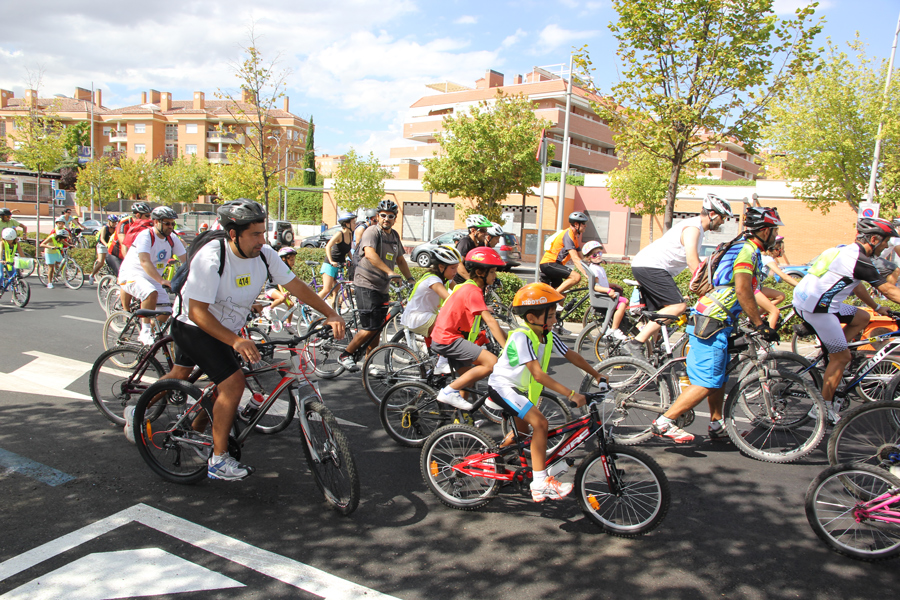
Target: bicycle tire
<point x="110" y="389"/>
<point x="335" y="475"/>
<point x="328" y="349"/>
<point x="43" y="272"/>
<point x="121" y="329"/>
<point x="257" y="335"/>
<point x="584" y="343"/>
<point x="114" y="300"/>
<point x="388" y="365"/>
<point x="159" y="436"/>
<point x="627" y="421"/>
<point x="74" y="276"/>
<point x="780" y="360"/>
<point x="866" y="434"/>
<point x="638" y="506"/>
<point x="801" y="345"/>
<point x="419" y="345"/>
<point x="557" y="413"/>
<point x="21" y="292"/>
<point x="445" y="448"/>
<point x="874" y="385"/>
<point x="277" y="417"/>
<point x="410" y="412"/>
<point x="796" y="428"/>
<point x="831" y="503"/>
<point x="103" y="286"/>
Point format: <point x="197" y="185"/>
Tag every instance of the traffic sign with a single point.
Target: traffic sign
<point x="54" y="184"/>
<point x="59" y="195"/>
<point x="868" y="209"/>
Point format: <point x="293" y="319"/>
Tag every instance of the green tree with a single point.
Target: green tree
<point x="241" y="178"/>
<point x="359" y="181"/>
<point x="305" y="207"/>
<point x="131" y="177"/>
<point x="488" y="153"/>
<point x="77" y="136"/>
<point x="823" y="131"/>
<point x="97" y="181"/>
<point x="179" y="182"/>
<point x="309" y="157"/>
<point x="698" y="72"/>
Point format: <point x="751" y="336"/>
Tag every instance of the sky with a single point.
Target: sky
<point x="354" y="65"/>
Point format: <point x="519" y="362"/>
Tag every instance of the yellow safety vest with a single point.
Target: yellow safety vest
<point x="534" y="388"/>
<point x="9" y="252"/>
<point x="476" y="323"/>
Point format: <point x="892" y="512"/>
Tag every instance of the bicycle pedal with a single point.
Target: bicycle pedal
<point x="480" y="423"/>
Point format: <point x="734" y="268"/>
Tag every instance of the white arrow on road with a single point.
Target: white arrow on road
<point x="47" y="375"/>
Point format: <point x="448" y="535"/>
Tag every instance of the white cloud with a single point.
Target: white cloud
<point x="789" y="7"/>
<point x="466" y="20"/>
<point x="553" y="37"/>
<point x="513" y="39"/>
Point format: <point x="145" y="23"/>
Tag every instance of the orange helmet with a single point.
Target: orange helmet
<point x="535" y="296"/>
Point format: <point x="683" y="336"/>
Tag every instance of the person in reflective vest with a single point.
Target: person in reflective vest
<point x="520" y="376"/>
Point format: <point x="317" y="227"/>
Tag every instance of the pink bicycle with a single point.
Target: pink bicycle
<point x="855" y="509"/>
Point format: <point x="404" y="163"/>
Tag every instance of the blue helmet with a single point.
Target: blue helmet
<point x="113" y="218"/>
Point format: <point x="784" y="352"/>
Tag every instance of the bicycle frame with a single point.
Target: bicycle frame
<point x="875" y="509"/>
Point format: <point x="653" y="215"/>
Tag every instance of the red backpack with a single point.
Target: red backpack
<point x="139" y="226"/>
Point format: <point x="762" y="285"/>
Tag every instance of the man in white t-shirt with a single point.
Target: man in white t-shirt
<point x="141" y="273"/>
<point x="656" y="266"/>
<point x="217" y="298"/>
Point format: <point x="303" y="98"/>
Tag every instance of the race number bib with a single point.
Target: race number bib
<point x="160" y="266"/>
<point x="389" y="256"/>
<point x="242" y="280"/>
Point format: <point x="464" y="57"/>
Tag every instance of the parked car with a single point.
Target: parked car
<point x="91" y="227"/>
<point x="320" y="239"/>
<point x="507" y="248"/>
<point x="280" y="233"/>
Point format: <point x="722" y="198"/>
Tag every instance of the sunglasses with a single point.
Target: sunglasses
<point x="168" y="223"/>
<point x="388" y="216"/>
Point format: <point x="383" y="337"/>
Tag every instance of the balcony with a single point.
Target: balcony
<point x="732" y="160"/>
<point x="224" y="137"/>
<point x="217" y="158"/>
<point x="171" y="136"/>
<point x="118" y="136"/>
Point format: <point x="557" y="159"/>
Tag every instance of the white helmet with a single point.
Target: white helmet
<point x="591" y="246"/>
<point x="445" y="255"/>
<point x="9" y="234"/>
<point x="478" y="221"/>
<point x="717" y="204"/>
<point x="495" y="230"/>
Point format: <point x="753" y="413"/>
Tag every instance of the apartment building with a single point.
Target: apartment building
<point x="591" y="146"/>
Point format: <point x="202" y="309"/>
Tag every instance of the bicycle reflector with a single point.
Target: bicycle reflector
<point x="434" y="468"/>
<point x="592" y="500"/>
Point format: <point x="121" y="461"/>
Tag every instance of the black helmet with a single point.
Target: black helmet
<point x="578" y="217"/>
<point x="760" y="217"/>
<point x="240" y="212"/>
<point x="371" y="213"/>
<point x="140" y="208"/>
<point x="876" y="226"/>
<point x="388" y="206"/>
<point x="5" y="212"/>
<point x="163" y="212"/>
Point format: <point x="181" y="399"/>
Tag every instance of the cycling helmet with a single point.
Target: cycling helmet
<point x="445" y="255"/>
<point x="458" y="236"/>
<point x="9" y="234"/>
<point x="59" y="220"/>
<point x="163" y="212"/>
<point x="240" y="212"/>
<point x="113" y="218"/>
<point x="478" y="221"/>
<point x="62" y="233"/>
<point x="140" y="208"/>
<point x="346" y="217"/>
<point x="388" y="206"/>
<point x="578" y="217"/>
<point x="204" y="226"/>
<point x="286" y="251"/>
<point x="483" y="257"/>
<point x="5" y="212"/>
<point x="535" y="296"/>
<point x="760" y="217"/>
<point x="591" y="246"/>
<point x="718" y="205"/>
<point x="495" y="230"/>
<point x="876" y="226"/>
<point x="371" y="213"/>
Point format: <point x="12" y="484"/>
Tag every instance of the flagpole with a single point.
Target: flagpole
<point x="887" y="86"/>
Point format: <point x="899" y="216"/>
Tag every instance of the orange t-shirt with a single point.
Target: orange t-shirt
<point x="559" y="249"/>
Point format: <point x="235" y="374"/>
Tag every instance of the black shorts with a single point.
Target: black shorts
<point x="113" y="262"/>
<point x="554" y="273"/>
<point x="373" y="308"/>
<point x="195" y="347"/>
<point x="658" y="289"/>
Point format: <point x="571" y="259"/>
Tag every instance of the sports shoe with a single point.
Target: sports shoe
<point x="375" y="371"/>
<point x="618" y="335"/>
<point x="348" y="363"/>
<point x="634" y="349"/>
<point x="129" y="423"/>
<point x="90" y="280"/>
<point x="671" y="431"/>
<point x="49" y="286"/>
<point x="267" y="312"/>
<point x="226" y="468"/>
<point x="145" y="337"/>
<point x="442" y="366"/>
<point x="454" y="399"/>
<point x="716" y="431"/>
<point x="550" y="489"/>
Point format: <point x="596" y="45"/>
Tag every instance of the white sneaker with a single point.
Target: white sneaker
<point x="348" y="363"/>
<point x="226" y="468"/>
<point x="375" y="371"/>
<point x="90" y="280"/>
<point x="49" y="286"/>
<point x="617" y="334"/>
<point x="145" y="337"/>
<point x="550" y="489"/>
<point x="267" y="312"/>
<point x="454" y="399"/>
<point x="442" y="366"/>
<point x="129" y="423"/>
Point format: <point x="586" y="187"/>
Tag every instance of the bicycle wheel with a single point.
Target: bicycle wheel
<point x="418" y="341"/>
<point x="114" y="300"/>
<point x="163" y="432"/>
<point x="792" y="430"/>
<point x="326" y="351"/>
<point x="557" y="413"/>
<point x="410" y="412"/>
<point x="387" y="366"/>
<point x="74" y="275"/>
<point x="21" y="292"/>
<point x="120" y="329"/>
<point x="837" y="510"/>
<point x="103" y="286"/>
<point x="115" y="384"/>
<point x="333" y="468"/>
<point x="446" y="448"/>
<point x="27" y="272"/>
<point x="634" y="401"/>
<point x="866" y="434"/>
<point x="257" y="335"/>
<point x="584" y="343"/>
<point x="43" y="272"/>
<point x="782" y="361"/>
<point x="873" y="387"/>
<point x="279" y="415"/>
<point x="807" y="346"/>
<point x="635" y="504"/>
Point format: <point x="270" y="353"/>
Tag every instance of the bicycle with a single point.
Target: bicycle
<point x="867" y="434"/>
<point x="855" y="510"/>
<point x="67" y="271"/>
<point x="12" y="281"/>
<point x="169" y="413"/>
<point x="622" y="490"/>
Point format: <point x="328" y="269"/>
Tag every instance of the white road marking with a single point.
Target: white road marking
<point x="85" y="319"/>
<point x="123" y="574"/>
<point x="47" y="375"/>
<point x="278" y="567"/>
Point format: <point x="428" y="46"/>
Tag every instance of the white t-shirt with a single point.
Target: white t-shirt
<point x="422" y="305"/>
<point x="159" y="249"/>
<point x="766" y="261"/>
<point x="600" y="273"/>
<point x="668" y="252"/>
<point x="230" y="296"/>
<point x="888" y="253"/>
<point x="510" y="370"/>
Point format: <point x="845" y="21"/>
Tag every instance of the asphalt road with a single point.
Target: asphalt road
<point x="83" y="516"/>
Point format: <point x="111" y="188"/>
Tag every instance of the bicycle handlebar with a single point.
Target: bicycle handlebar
<point x="294" y="341"/>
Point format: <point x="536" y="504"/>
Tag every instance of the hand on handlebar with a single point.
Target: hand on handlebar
<point x="247" y="349"/>
<point x="578" y="399"/>
<point x="884" y="311"/>
<point x="337" y="326"/>
<point x="767" y="333"/>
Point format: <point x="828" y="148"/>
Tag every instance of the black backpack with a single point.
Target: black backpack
<point x="201" y="240"/>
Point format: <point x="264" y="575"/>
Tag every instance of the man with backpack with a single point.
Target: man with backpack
<point x="656" y="266"/>
<point x="734" y="284"/>
<point x="225" y="272"/>
<point x="565" y="248"/>
<point x="370" y="218"/>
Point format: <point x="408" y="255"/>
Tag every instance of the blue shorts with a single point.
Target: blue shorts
<point x="329" y="269"/>
<point x="708" y="359"/>
<point x="52" y="257"/>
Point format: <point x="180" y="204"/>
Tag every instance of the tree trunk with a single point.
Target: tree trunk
<point x="672" y="188"/>
<point x="651" y="228"/>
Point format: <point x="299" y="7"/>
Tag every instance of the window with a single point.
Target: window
<point x="107" y="131"/>
<point x="140" y="128"/>
<point x="190" y="149"/>
<point x="190" y="128"/>
<point x="140" y="149"/>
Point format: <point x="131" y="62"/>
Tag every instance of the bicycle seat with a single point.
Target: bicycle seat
<point x="631" y="282"/>
<point x="660" y="318"/>
<point x="311" y="263"/>
<point x="144" y="312"/>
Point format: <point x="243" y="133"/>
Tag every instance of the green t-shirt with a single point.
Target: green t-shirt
<point x="11" y="223"/>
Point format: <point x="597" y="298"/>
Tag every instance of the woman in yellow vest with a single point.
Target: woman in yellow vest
<point x="521" y="374"/>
